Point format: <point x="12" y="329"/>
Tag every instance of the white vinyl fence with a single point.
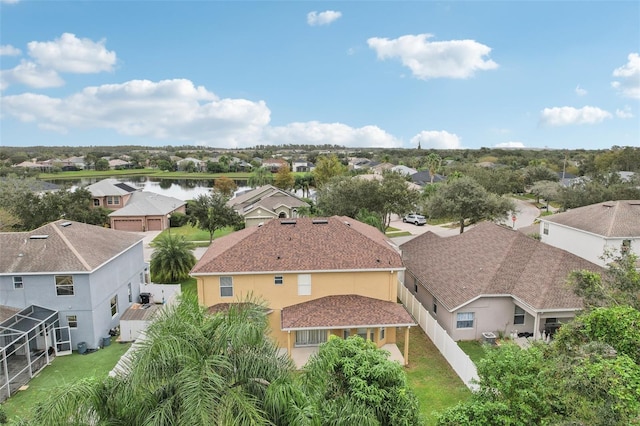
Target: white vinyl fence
<point x="459" y="361"/>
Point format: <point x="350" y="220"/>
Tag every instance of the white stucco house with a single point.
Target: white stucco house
<point x="591" y="230"/>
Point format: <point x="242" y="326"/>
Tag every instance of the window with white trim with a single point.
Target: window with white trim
<point x="96" y="202"/>
<point x="17" y="283"/>
<point x="278" y="280"/>
<point x="545" y="229"/>
<point x="464" y="320"/>
<point x="226" y="286"/>
<point x="304" y="284"/>
<point x="113" y="200"/>
<point x="72" y="321"/>
<point x="310" y="337"/>
<point x="518" y="316"/>
<point x="64" y="285"/>
<point x="114" y="306"/>
<point x="382" y="333"/>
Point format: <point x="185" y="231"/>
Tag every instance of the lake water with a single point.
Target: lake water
<point x="182" y="189"/>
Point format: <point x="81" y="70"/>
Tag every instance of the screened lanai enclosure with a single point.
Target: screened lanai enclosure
<point x="29" y="341"/>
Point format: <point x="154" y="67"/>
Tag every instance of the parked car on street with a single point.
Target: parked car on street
<point x="416" y="219"/>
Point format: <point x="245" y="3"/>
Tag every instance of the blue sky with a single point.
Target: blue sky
<point x="561" y="74"/>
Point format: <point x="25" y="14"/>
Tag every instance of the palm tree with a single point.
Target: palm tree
<point x="433" y="162"/>
<point x="172" y="258"/>
<point x="193" y="368"/>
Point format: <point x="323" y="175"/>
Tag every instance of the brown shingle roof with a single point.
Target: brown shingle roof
<point x="302" y="244"/>
<point x="350" y="310"/>
<point x="609" y="219"/>
<point x="492" y="260"/>
<point x="68" y="247"/>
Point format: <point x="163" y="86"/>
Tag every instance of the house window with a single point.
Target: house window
<point x="64" y="285"/>
<point x="96" y="202"/>
<point x="362" y="332"/>
<point x="382" y="333"/>
<point x="226" y="286"/>
<point x="114" y="306"/>
<point x="278" y="280"/>
<point x="17" y="283"/>
<point x="304" y="285"/>
<point x="129" y="295"/>
<point x="113" y="200"/>
<point x="435" y="308"/>
<point x="464" y="320"/>
<point x="310" y="337"/>
<point x="518" y="316"/>
<point x="346" y="334"/>
<point x="72" y="321"/>
<point x="545" y="229"/>
<point x="626" y="245"/>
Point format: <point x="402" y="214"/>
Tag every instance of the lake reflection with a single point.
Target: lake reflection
<point x="182" y="189"/>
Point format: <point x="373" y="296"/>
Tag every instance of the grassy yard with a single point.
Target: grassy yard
<point x="191" y="233"/>
<point x="474" y="349"/>
<point x="430" y="376"/>
<point x="63" y="371"/>
<point x="395" y="232"/>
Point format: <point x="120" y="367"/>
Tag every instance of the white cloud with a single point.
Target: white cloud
<point x="436" y="139"/>
<point x="563" y="116"/>
<point x="73" y="55"/>
<point x="509" y="145"/>
<point x="322" y="18"/>
<point x="30" y="74"/>
<point x="9" y="1"/>
<point x="580" y="91"/>
<point x="629" y="77"/>
<point x="168" y="109"/>
<point x="177" y="110"/>
<point x="441" y="59"/>
<point x="314" y="132"/>
<point x="624" y="113"/>
<point x="8" y="50"/>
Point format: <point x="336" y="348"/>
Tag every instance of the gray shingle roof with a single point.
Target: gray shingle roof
<point x="76" y="247"/>
<point x="302" y="244"/>
<point x="143" y="203"/>
<point x="493" y="260"/>
<point x="608" y="219"/>
<point x="109" y="187"/>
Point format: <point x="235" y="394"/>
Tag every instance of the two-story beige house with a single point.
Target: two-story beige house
<point x="318" y="277"/>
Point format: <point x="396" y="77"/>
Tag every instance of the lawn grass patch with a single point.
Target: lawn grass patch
<point x="63" y="371"/>
<point x="189" y="285"/>
<point x="192" y="233"/>
<point x="432" y="379"/>
<point x="474" y="349"/>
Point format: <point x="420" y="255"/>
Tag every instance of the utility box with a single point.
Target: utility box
<point x="489" y="337"/>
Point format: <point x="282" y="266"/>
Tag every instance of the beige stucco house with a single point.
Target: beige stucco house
<point x="492" y="279"/>
<point x="318" y="277"/>
<point x="265" y="203"/>
<point x="134" y="210"/>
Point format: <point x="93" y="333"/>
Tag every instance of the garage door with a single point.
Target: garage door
<point x="127" y="225"/>
<point x="154" y="225"/>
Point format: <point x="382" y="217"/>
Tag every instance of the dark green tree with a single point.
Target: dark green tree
<point x="211" y="212"/>
<point x="172" y="258"/>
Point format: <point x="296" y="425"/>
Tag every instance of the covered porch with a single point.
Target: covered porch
<point x="309" y="324"/>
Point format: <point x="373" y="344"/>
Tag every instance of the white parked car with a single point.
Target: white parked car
<point x="416" y="219"/>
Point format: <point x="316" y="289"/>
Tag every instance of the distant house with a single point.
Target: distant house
<point x="265" y="203"/>
<point x="319" y="277"/>
<point x="381" y="168"/>
<point x="590" y="230"/>
<point x="423" y="178"/>
<point x="273" y="164"/>
<point x="302" y="166"/>
<point x="119" y="164"/>
<point x="200" y="166"/>
<point x="404" y="170"/>
<point x="135" y="210"/>
<point x="87" y="275"/>
<point x="492" y="279"/>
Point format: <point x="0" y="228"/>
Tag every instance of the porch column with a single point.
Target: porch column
<point x="328" y="334"/>
<point x="289" y="343"/>
<point x="406" y="346"/>
<point x="536" y="327"/>
<point x="368" y="334"/>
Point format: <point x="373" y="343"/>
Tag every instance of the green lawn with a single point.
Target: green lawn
<point x="62" y="371"/>
<point x="191" y="233"/>
<point x="430" y="376"/>
<point x="474" y="349"/>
